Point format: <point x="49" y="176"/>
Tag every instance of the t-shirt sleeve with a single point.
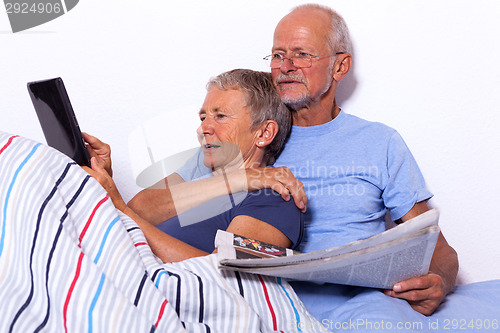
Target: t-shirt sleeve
<point x="405" y="185"/>
<point x="268" y="206"/>
<point x="194" y="168"/>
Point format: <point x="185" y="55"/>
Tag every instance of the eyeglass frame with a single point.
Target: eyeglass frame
<point x="268" y="58"/>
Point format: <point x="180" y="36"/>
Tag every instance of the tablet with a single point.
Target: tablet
<point x="58" y="120"/>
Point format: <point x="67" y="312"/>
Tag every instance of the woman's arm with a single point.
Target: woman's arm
<point x="164" y="246"/>
<point x="251" y="227"/>
<point x="170" y="249"/>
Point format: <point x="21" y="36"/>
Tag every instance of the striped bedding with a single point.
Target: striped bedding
<point x="70" y="262"/>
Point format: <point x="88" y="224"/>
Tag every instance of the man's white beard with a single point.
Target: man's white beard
<point x="303" y="101"/>
<point x="296" y="104"/>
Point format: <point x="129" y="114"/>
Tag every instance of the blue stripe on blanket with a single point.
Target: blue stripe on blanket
<point x="297" y="316"/>
<point x="94" y="301"/>
<point x="7" y="197"/>
<point x="105" y="238"/>
<point x="54" y="243"/>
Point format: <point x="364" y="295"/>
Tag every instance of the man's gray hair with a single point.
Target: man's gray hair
<point x="339" y="39"/>
<point x="263" y="101"/>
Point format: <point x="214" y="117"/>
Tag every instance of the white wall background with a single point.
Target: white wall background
<point x="429" y="68"/>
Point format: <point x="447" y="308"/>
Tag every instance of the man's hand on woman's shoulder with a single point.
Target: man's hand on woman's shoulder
<point x="279" y="179"/>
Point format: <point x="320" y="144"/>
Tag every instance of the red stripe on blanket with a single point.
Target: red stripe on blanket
<point x="8" y="143"/>
<point x="80" y="259"/>
<point x="162" y="310"/>
<point x="91" y="217"/>
<point x="273" y="315"/>
<point x="70" y="291"/>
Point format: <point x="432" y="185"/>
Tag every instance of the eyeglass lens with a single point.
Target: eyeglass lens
<point x="297" y="62"/>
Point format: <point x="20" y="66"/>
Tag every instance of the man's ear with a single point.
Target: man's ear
<point x="267" y="133"/>
<point x="342" y="66"/>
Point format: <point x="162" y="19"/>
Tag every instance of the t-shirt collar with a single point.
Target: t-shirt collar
<point x="307" y="131"/>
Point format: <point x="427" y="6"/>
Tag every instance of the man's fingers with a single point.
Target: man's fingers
<point x="287" y="185"/>
<point x="298" y="194"/>
<point x="281" y="180"/>
<point x="281" y="189"/>
<point x="424" y="293"/>
<point x="424" y="301"/>
<point x="294" y="187"/>
<point x="299" y="202"/>
<point x="421" y="282"/>
<point x="411" y="295"/>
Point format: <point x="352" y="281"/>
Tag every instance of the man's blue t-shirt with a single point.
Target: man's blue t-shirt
<point x="265" y="205"/>
<point x="353" y="171"/>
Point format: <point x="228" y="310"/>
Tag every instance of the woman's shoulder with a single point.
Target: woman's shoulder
<point x="268" y="206"/>
<point x="267" y="197"/>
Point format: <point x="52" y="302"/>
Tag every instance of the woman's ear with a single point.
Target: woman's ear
<point x="267" y="133"/>
<point x="342" y="66"/>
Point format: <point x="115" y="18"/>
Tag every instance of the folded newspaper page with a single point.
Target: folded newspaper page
<point x="380" y="261"/>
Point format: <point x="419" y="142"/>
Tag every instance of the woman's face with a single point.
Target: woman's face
<point x="225" y="132"/>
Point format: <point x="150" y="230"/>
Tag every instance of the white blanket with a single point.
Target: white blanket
<point x="70" y="262"/>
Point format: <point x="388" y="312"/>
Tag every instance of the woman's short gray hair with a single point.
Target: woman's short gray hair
<point x="339" y="39"/>
<point x="263" y="101"/>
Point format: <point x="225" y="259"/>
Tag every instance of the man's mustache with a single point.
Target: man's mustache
<point x="290" y="77"/>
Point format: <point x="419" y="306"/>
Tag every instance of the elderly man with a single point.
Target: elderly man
<point x="352" y="170"/>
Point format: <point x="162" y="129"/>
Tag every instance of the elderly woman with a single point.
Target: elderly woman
<point x="70" y="262"/>
<point x="243" y="126"/>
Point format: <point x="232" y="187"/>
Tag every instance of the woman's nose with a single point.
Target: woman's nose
<point x="206" y="127"/>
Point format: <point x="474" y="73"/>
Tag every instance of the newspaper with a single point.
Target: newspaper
<point x="380" y="261"/>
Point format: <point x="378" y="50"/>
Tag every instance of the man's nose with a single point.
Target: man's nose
<point x="287" y="66"/>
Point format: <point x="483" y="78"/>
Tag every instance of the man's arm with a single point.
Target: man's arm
<point x="425" y="293"/>
<point x="173" y="195"/>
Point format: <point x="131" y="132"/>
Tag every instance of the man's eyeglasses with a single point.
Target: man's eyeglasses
<point x="300" y="60"/>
